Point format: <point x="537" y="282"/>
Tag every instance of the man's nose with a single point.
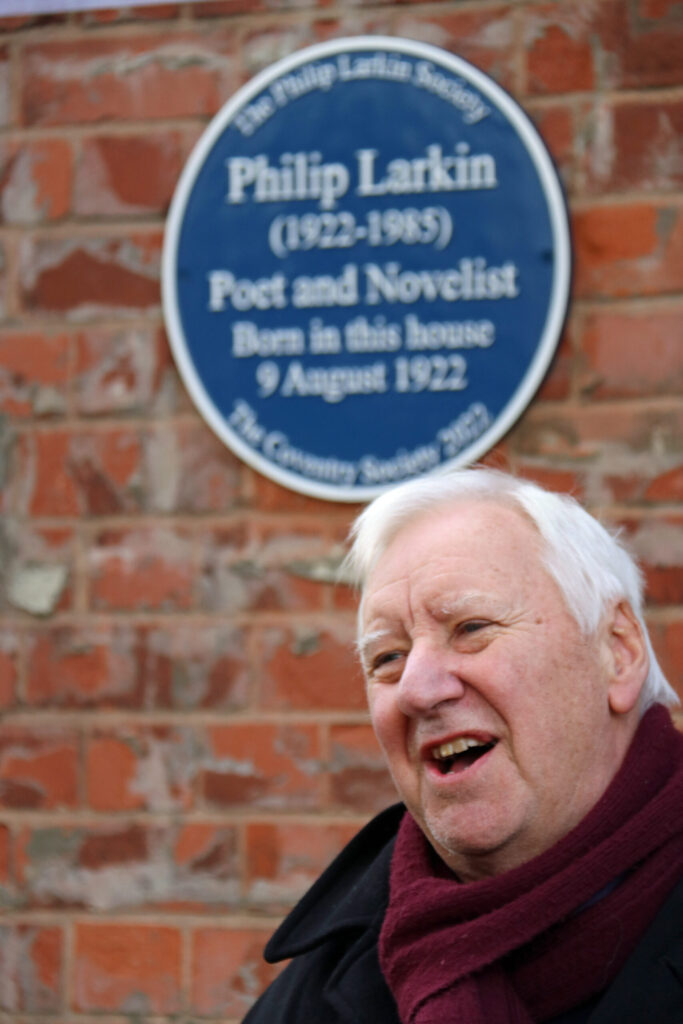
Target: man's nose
<point x="429" y="678"/>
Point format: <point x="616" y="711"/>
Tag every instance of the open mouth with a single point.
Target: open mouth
<point x="459" y="754"/>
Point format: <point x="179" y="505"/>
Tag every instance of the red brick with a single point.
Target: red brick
<point x="233" y="584"/>
<point x="221" y="8"/>
<point x="556" y="125"/>
<point x="265" y="766"/>
<point x="30" y="968"/>
<point x="628" y="249"/>
<point x="582" y="46"/>
<point x="35" y="180"/>
<point x="38" y="768"/>
<point x="312" y="669"/>
<point x="667" y="640"/>
<point x="63" y="473"/>
<point x="486" y="38"/>
<point x="108" y="180"/>
<point x="141" y="569"/>
<point x="564" y="481"/>
<point x="92" y="79"/>
<point x="228" y="970"/>
<point x="6" y="846"/>
<point x="658" y="546"/>
<point x="188" y="666"/>
<point x="592" y="432"/>
<point x="558" y="47"/>
<point x="155" y="11"/>
<point x="5" y="111"/>
<point x="40" y="565"/>
<point x="131" y="968"/>
<point x="666" y="486"/>
<point x="33" y="374"/>
<point x="284" y="860"/>
<point x="87" y="277"/>
<point x="627" y="354"/>
<point x="268" y="496"/>
<point x="88" y="666"/>
<point x="105" y="867"/>
<point x="634" y="145"/>
<point x="151" y="769"/>
<point x="124" y="369"/>
<point x="190" y="470"/>
<point x="359" y="780"/>
<point x="557" y="381"/>
<point x="9" y="669"/>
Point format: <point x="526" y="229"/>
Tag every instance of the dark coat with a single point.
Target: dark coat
<point x="335" y="977"/>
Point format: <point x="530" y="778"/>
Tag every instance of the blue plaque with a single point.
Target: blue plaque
<point x="366" y="266"/>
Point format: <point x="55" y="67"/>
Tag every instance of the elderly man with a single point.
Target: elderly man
<point x="533" y="871"/>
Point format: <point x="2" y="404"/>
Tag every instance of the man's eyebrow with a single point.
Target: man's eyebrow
<point x="367" y="639"/>
<point x="460" y="603"/>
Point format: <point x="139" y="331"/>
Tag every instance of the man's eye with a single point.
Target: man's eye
<point x="380" y="660"/>
<point x="472" y="626"/>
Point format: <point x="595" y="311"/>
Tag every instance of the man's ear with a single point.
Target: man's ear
<point x="629" y="661"/>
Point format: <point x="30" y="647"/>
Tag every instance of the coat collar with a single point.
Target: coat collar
<point x="352" y="894"/>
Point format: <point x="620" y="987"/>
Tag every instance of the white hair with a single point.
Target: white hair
<point x="590" y="565"/>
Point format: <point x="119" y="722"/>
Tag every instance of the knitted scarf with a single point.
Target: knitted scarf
<point x="551" y="934"/>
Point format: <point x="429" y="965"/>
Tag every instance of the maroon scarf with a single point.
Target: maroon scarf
<point x="551" y="934"/>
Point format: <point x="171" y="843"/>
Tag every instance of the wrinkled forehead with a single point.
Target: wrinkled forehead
<point x="484" y="533"/>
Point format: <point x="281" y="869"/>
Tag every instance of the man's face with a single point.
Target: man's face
<point x="490" y="706"/>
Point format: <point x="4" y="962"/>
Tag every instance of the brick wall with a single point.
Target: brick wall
<point x="184" y="743"/>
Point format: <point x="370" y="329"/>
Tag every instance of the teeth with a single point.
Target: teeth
<point x="458" y="746"/>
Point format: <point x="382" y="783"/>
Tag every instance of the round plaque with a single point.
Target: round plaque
<point x="366" y="266"/>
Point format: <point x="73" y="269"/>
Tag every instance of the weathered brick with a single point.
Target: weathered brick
<point x="556" y="125"/>
<point x="6" y="856"/>
<point x="90" y="79"/>
<point x="5" y="111"/>
<point x="9" y="669"/>
<point x="83" y="277"/>
<point x="627" y="354"/>
<point x="666" y="486"/>
<point x="228" y="970"/>
<point x="189" y="666"/>
<point x="125" y="370"/>
<point x="246" y="583"/>
<point x="38" y="768"/>
<point x="558" y="48"/>
<point x="190" y="470"/>
<point x="127" y="968"/>
<point x="658" y="546"/>
<point x="262" y="765"/>
<point x="68" y="473"/>
<point x="284" y="860"/>
<point x="149" y="568"/>
<point x="484" y="37"/>
<point x="634" y="145"/>
<point x="609" y="44"/>
<point x="35" y="180"/>
<point x="108" y="182"/>
<point x="667" y="640"/>
<point x="312" y="668"/>
<point x="129" y="866"/>
<point x="600" y="432"/>
<point x="629" y="249"/>
<point x="359" y="780"/>
<point x="557" y="381"/>
<point x="153" y="12"/>
<point x="84" y="666"/>
<point x="38" y="567"/>
<point x="145" y="768"/>
<point x="34" y="372"/>
<point x="31" y="968"/>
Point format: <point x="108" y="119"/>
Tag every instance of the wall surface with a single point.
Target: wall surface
<point x="184" y="743"/>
